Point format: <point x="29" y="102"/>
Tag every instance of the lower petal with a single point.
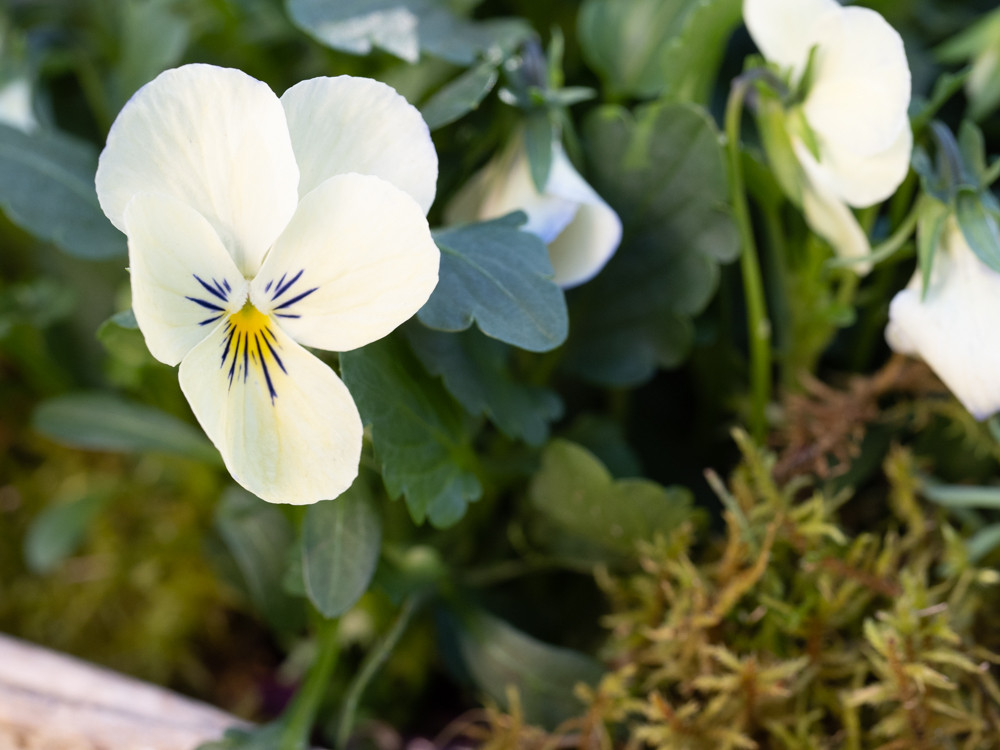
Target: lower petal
<point x="584" y="247"/>
<point x="956" y="328"/>
<point x="827" y="215"/>
<point x="283" y="421"/>
<point x="863" y="181"/>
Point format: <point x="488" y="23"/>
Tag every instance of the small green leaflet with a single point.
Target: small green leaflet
<point x="59" y="530"/>
<point x="47" y="189"/>
<point x="499" y="277"/>
<point x="576" y="491"/>
<point x="461" y="96"/>
<point x="418" y="430"/>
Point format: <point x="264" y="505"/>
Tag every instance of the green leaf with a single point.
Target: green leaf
<point x="38" y="303"/>
<point x="499" y="277"/>
<point x="258" y="536"/>
<point x="498" y="655"/>
<point x="405" y="28"/>
<point x="539" y="134"/>
<point x="930" y="227"/>
<point x="341" y="541"/>
<point x="604" y="438"/>
<point x="476" y="371"/>
<point x="979" y="227"/>
<point x="121" y="338"/>
<point x="625" y="41"/>
<point x="461" y="96"/>
<point x="575" y="490"/>
<point x="154" y="38"/>
<point x="962" y="496"/>
<point x="691" y="59"/>
<point x="59" y="530"/>
<point x="419" y="432"/>
<point x="972" y="146"/>
<point x="100" y="422"/>
<point x="47" y="189"/>
<point x="665" y="174"/>
<point x="983" y="542"/>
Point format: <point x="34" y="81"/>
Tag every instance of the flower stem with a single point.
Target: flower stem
<point x="890" y="246"/>
<point x="758" y="324"/>
<point x="373" y="661"/>
<point x="302" y="712"/>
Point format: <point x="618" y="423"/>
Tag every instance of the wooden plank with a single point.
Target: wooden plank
<point x="50" y="701"/>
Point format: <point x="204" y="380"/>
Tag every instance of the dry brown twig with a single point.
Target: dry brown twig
<point x="825" y="426"/>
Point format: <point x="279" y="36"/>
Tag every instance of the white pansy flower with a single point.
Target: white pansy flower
<point x="15" y="105"/>
<point x="955" y="328"/>
<point x="257" y="226"/>
<point x="857" y="150"/>
<point x="581" y="230"/>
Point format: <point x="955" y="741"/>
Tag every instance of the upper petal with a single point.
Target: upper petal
<point x="286" y="426"/>
<point x="863" y="181"/>
<point x="346" y="124"/>
<point x="785" y="30"/>
<point x="956" y="328"/>
<point x="584" y="247"/>
<point x="827" y="214"/>
<point x="861" y="89"/>
<point x="183" y="281"/>
<point x="356" y="261"/>
<point x="214" y="138"/>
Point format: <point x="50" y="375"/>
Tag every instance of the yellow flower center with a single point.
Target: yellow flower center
<point x="250" y="344"/>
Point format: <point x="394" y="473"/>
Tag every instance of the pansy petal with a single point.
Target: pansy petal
<point x="863" y="181"/>
<point x="286" y="426"/>
<point x="511" y="188"/>
<point x="828" y="215"/>
<point x="356" y="261"/>
<point x="861" y="90"/>
<point x="214" y="138"/>
<point x="587" y="244"/>
<point x="183" y="281"/>
<point x="785" y="30"/>
<point x="956" y="327"/>
<point x="346" y="124"/>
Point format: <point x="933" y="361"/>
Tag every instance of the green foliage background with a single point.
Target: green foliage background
<point x="514" y="449"/>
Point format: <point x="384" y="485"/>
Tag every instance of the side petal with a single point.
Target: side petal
<point x="828" y="215"/>
<point x="505" y="185"/>
<point x="956" y="328"/>
<point x="863" y="181"/>
<point x="861" y="91"/>
<point x="214" y="138"/>
<point x="584" y="247"/>
<point x="346" y="124"/>
<point x="285" y="424"/>
<point x="356" y="261"/>
<point x="785" y="30"/>
<point x="183" y="281"/>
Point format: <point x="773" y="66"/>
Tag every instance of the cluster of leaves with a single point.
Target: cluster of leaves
<point x="792" y="634"/>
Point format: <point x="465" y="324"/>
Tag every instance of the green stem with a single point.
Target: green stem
<point x="888" y="248"/>
<point x="302" y="713"/>
<point x="758" y="325"/>
<point x="373" y="662"/>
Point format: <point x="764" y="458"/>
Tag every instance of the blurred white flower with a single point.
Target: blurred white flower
<point x="851" y="133"/>
<point x="15" y="105"/>
<point x="581" y="230"/>
<point x="956" y="328"/>
<point x="256" y="226"/>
